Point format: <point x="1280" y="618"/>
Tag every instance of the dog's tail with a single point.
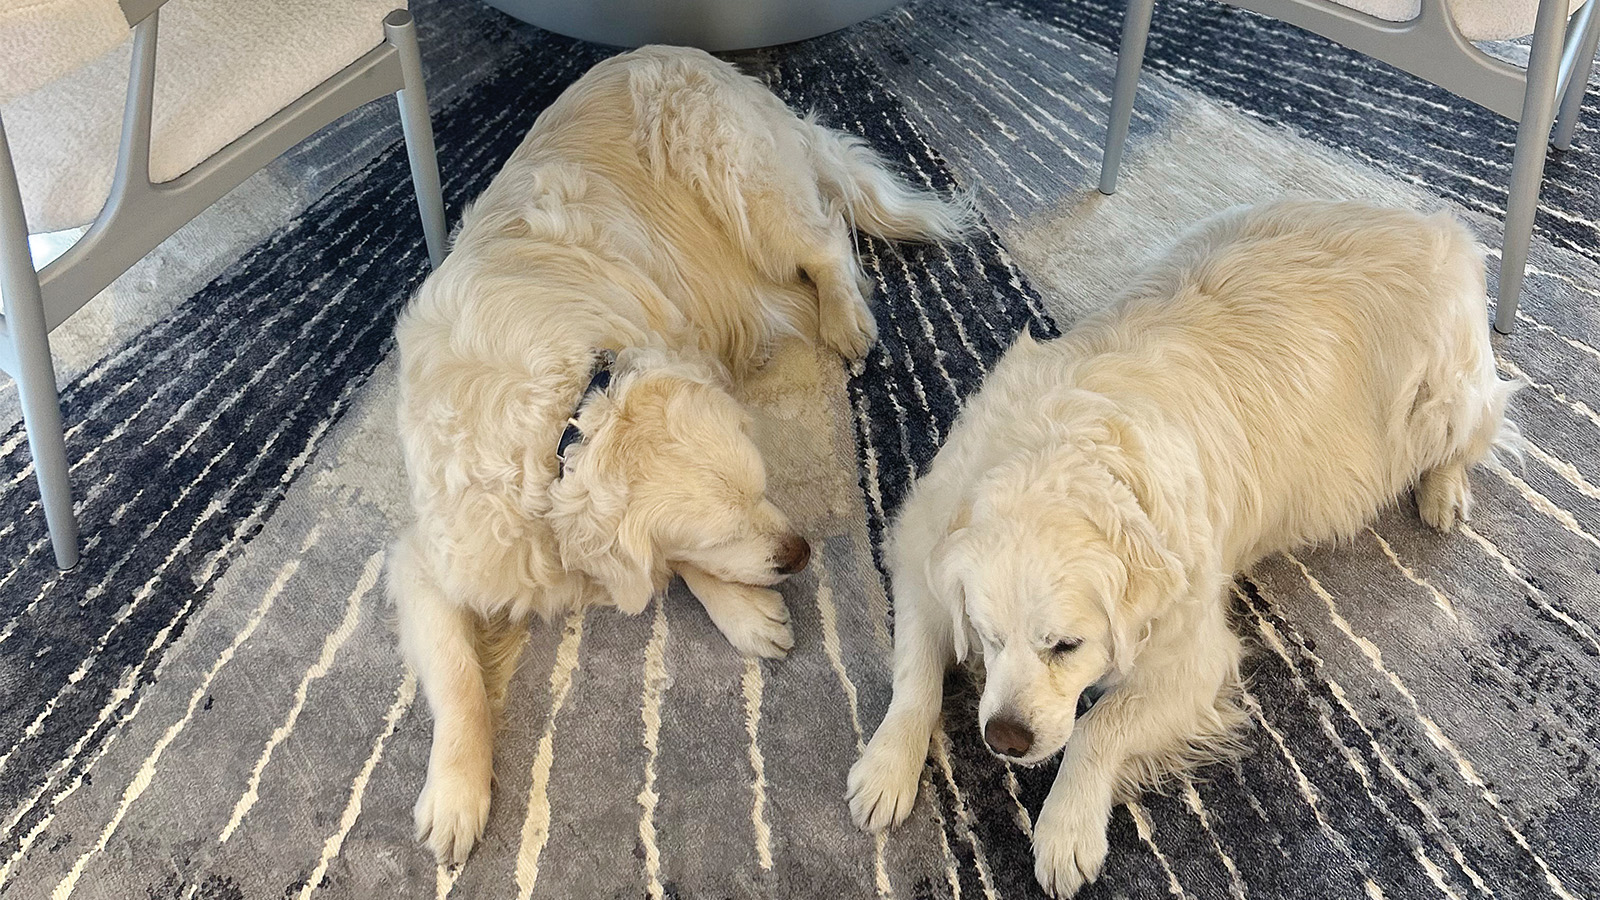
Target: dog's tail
<point x="1507" y="442"/>
<point x="874" y="200"/>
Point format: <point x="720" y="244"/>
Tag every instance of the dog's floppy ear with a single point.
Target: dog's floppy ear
<point x="944" y="581"/>
<point x="1155" y="575"/>
<point x="943" y="573"/>
<point x="596" y="536"/>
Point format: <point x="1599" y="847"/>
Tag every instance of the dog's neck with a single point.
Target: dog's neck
<point x="599" y="380"/>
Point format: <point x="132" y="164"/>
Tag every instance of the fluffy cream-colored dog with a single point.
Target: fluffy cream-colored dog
<point x="1280" y="376"/>
<point x="674" y="213"/>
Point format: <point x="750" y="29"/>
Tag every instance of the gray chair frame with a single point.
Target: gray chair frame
<point x="139" y="215"/>
<point x="1431" y="47"/>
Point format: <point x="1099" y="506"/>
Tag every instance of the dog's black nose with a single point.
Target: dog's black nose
<point x="1007" y="737"/>
<point x="793" y="555"/>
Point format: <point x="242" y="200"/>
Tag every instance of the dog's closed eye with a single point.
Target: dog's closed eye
<point x="1066" y="645"/>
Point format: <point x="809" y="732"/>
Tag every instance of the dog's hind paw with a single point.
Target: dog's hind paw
<point x="1069" y="849"/>
<point x="882" y="787"/>
<point x="451" y="813"/>
<point x="1444" y="497"/>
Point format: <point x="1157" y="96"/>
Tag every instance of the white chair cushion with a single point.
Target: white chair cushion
<point x="222" y="67"/>
<point x="46" y="39"/>
<point x="1478" y="20"/>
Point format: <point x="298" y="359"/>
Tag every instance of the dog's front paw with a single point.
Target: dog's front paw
<point x="882" y="787"/>
<point x="850" y="332"/>
<point x="753" y="619"/>
<point x="1069" y="849"/>
<point x="451" y="813"/>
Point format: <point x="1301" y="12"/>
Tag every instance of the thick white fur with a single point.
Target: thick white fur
<point x="1280" y="376"/>
<point x="673" y="210"/>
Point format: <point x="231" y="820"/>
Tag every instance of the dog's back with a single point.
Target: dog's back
<point x="699" y="186"/>
<point x="1321" y="355"/>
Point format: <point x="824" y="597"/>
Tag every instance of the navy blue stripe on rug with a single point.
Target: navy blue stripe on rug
<point x="188" y="438"/>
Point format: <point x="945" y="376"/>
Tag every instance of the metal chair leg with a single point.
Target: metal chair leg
<point x="1583" y="65"/>
<point x="1135" y="30"/>
<point x="401" y="32"/>
<point x="36" y="378"/>
<point x="1527" y="165"/>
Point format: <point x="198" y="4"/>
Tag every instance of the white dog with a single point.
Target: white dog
<point x="1278" y="378"/>
<point x="674" y="213"/>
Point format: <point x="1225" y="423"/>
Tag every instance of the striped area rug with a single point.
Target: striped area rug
<point x="212" y="706"/>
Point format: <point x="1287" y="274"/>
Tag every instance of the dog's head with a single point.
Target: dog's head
<point x="1052" y="572"/>
<point x="667" y="474"/>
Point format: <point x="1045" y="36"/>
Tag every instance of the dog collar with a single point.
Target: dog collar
<point x="1091" y="695"/>
<point x="599" y="380"/>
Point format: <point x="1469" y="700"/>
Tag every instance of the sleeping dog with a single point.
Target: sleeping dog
<point x="564" y="408"/>
<point x="1280" y="376"/>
